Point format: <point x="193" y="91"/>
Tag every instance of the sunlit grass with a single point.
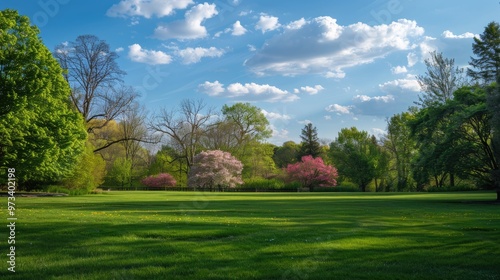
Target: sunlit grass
<point x="175" y="235"/>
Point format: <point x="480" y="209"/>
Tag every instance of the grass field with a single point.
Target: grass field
<point x="174" y="235"/>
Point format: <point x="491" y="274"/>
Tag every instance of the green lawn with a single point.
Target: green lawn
<point x="174" y="235"/>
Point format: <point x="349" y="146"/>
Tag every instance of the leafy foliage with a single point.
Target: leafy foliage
<point x="312" y="172"/>
<point x="215" y="169"/>
<point x="40" y="133"/>
<point x="88" y="173"/>
<point x="161" y="180"/>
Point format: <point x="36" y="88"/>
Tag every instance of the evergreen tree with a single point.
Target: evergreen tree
<point x="310" y="142"/>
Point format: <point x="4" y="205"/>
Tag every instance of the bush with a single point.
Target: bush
<point x="62" y="189"/>
<point x="293" y="185"/>
<point x="264" y="184"/>
<point x="161" y="180"/>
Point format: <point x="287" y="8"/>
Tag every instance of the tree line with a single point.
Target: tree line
<point x="67" y="118"/>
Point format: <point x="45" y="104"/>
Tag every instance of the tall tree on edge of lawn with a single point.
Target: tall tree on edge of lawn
<point x="41" y="136"/>
<point x="486" y="69"/>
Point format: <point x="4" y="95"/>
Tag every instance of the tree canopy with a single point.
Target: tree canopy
<point x="40" y="133"/>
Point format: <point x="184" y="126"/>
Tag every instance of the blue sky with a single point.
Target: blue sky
<point x="333" y="63"/>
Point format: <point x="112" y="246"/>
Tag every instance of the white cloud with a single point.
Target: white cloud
<point x="238" y="29"/>
<point x="212" y="89"/>
<point x="275" y="116"/>
<point x="412" y="59"/>
<point x="248" y="92"/>
<point x="120" y="49"/>
<point x="336" y="75"/>
<point x="339" y="109"/>
<point x="304" y="122"/>
<point x="194" y="55"/>
<point x="244" y="13"/>
<point x="296" y="24"/>
<point x="190" y="27"/>
<point x="328" y="117"/>
<point x="311" y="90"/>
<point x="324" y="47"/>
<point x="379" y="133"/>
<point x="467" y="35"/>
<point x="251" y="48"/>
<point x="427" y="47"/>
<point x="147" y="8"/>
<point x="138" y="54"/>
<point x="399" y="70"/>
<point x="279" y="133"/>
<point x="365" y="98"/>
<point x="267" y="23"/>
<point x="401" y="85"/>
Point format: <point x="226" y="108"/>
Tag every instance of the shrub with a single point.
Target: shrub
<point x="312" y="172"/>
<point x="264" y="184"/>
<point x="161" y="180"/>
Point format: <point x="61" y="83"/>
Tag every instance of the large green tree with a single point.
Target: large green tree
<point x="40" y="133"/>
<point x="400" y="143"/>
<point x="486" y="69"/>
<point x="355" y="155"/>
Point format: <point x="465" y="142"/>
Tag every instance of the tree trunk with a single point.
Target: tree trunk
<point x="452" y="180"/>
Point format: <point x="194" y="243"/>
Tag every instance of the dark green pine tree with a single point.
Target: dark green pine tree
<point x="486" y="66"/>
<point x="310" y="142"/>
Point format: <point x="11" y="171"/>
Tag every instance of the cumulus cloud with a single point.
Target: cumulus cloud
<point x="399" y="70"/>
<point x="267" y="23"/>
<point x="322" y="46"/>
<point x="247" y="92"/>
<point x="190" y="27"/>
<point x="401" y="85"/>
<point x="238" y="29"/>
<point x="120" y="49"/>
<point x="147" y="8"/>
<point x="309" y="90"/>
<point x="296" y="24"/>
<point x="275" y="116"/>
<point x="339" y="109"/>
<point x="467" y="35"/>
<point x="194" y="55"/>
<point x="138" y="54"/>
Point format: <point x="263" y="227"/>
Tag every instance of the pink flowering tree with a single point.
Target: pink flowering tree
<point x="161" y="180"/>
<point x="215" y="169"/>
<point x="312" y="172"/>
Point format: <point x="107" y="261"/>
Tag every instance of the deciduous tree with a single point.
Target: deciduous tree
<point x="312" y="172"/>
<point x="215" y="169"/>
<point x="40" y="133"/>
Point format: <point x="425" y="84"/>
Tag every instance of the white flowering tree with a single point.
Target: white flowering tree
<point x="215" y="169"/>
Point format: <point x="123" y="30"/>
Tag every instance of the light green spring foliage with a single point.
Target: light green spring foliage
<point x="89" y="172"/>
<point x="40" y="134"/>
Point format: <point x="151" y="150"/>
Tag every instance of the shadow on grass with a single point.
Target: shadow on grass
<point x="258" y="239"/>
